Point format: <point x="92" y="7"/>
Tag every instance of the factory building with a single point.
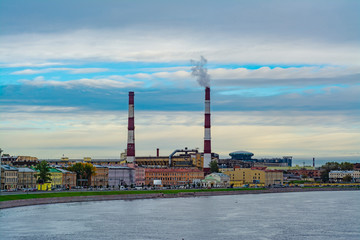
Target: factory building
<point x="179" y="158"/>
<point x="173" y="176"/>
<point x="255" y="175"/>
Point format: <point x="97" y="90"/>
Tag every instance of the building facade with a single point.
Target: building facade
<point x="173" y="176"/>
<point x="139" y="174"/>
<point x="337" y="176"/>
<point x="101" y="177"/>
<point x="19" y="161"/>
<point x="255" y="175"/>
<point x="9" y="177"/>
<point x="308" y="173"/>
<point x="26" y="178"/>
<point x="216" y="180"/>
<point x="68" y="178"/>
<point x="56" y="178"/>
<point x="121" y="176"/>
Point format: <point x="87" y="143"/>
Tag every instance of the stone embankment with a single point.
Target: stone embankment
<point x="38" y="201"/>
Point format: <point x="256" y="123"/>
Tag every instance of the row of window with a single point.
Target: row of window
<point x="170" y="179"/>
<point x="12" y="173"/>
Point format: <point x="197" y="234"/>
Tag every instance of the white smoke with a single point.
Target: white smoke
<point x="200" y="72"/>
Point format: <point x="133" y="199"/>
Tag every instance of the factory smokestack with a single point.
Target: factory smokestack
<point x="131" y="131"/>
<point x="199" y="71"/>
<point x="207" y="127"/>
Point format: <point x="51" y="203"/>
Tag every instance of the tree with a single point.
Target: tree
<point x="347" y="178"/>
<point x="83" y="171"/>
<point x="214" y="166"/>
<point x="78" y="169"/>
<point x="89" y="170"/>
<point x="44" y="174"/>
<point x="346" y="166"/>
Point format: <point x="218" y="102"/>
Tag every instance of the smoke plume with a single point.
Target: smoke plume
<point x="199" y="71"/>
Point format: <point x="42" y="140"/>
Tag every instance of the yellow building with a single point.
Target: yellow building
<point x="44" y="187"/>
<point x="260" y="175"/>
<point x="56" y="178"/>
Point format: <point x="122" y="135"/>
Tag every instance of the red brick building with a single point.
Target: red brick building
<point x="305" y="172"/>
<point x="172" y="176"/>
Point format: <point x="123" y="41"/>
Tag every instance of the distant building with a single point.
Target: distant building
<point x="19" y="161"/>
<point x="26" y="178"/>
<point x="337" y="176"/>
<point x="139" y="174"/>
<point x="173" y="176"/>
<point x="216" y="180"/>
<point x="120" y="176"/>
<point x="101" y="177"/>
<point x="305" y="173"/>
<point x="9" y="177"/>
<point x="56" y="178"/>
<point x="357" y="166"/>
<point x="68" y="178"/>
<point x="256" y="175"/>
<point x="244" y="159"/>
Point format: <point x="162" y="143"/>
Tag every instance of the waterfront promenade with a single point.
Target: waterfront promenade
<point x="165" y="194"/>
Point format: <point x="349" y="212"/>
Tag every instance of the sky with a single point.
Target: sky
<point x="284" y="77"/>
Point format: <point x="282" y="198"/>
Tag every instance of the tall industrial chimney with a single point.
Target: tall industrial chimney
<point x="207" y="133"/>
<point x="130" y="157"/>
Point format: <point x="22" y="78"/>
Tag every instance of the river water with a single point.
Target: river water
<point x="306" y="215"/>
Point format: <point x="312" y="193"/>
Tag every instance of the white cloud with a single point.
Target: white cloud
<point x="161" y="45"/>
<point x="70" y="70"/>
<point x="31" y="64"/>
<point x="84" y="82"/>
<point x="261" y="73"/>
<point x="283" y="73"/>
<point x="80" y="133"/>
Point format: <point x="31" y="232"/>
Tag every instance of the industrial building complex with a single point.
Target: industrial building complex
<point x="182" y="167"/>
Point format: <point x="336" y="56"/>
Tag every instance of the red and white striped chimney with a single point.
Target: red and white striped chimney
<point x="131" y="131"/>
<point x="207" y="133"/>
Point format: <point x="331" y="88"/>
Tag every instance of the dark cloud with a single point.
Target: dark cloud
<point x="325" y="98"/>
<point x="323" y="19"/>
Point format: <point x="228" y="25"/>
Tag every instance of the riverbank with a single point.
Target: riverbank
<point x="53" y="198"/>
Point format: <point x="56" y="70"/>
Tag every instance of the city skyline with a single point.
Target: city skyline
<point x="284" y="77"/>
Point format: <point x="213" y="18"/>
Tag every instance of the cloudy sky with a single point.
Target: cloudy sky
<point x="285" y="76"/>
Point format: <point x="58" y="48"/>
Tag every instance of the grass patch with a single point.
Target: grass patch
<point x="91" y="193"/>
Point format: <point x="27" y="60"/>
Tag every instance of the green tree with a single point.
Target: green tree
<point x="346" y="166"/>
<point x="83" y="171"/>
<point x="79" y="170"/>
<point x="44" y="174"/>
<point x="214" y="166"/>
<point x="347" y="178"/>
<point x="89" y="170"/>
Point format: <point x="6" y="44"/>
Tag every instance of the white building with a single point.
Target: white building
<point x="337" y="176"/>
<point x="216" y="180"/>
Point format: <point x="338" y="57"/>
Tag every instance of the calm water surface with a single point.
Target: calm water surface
<point x="310" y="215"/>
